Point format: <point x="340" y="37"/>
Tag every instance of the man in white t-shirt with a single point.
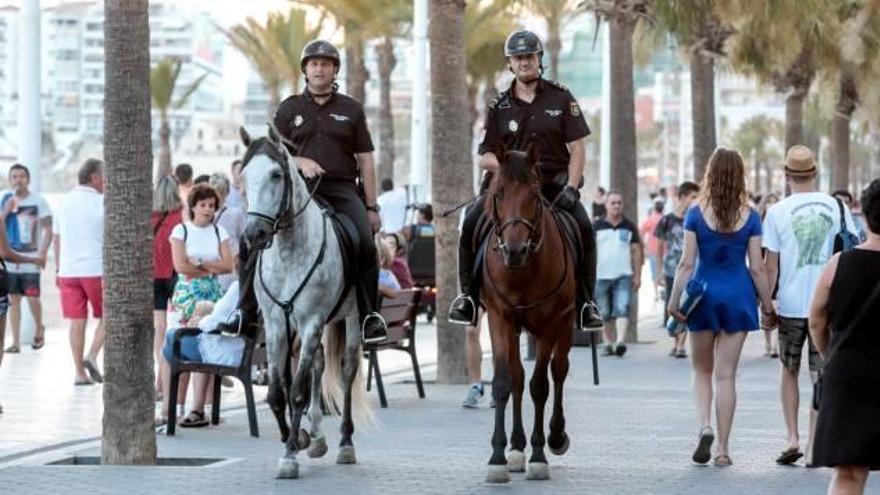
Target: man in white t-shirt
<point x="392" y="207"/>
<point x="29" y="231"/>
<point x="799" y="234"/>
<point x="79" y="244"/>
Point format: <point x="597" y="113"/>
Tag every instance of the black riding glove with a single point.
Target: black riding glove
<point x="567" y="198"/>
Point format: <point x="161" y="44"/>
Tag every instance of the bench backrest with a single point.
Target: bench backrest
<point x="400" y="313"/>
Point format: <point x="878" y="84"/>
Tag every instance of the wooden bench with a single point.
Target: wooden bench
<point x="242" y="372"/>
<point x="400" y="315"/>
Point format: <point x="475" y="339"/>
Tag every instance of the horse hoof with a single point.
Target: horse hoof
<point x="318" y="448"/>
<point x="346" y="455"/>
<point x="516" y="461"/>
<point x="288" y="469"/>
<point x="497" y="474"/>
<point x="538" y="471"/>
<point x="563" y="448"/>
<point x="303" y="439"/>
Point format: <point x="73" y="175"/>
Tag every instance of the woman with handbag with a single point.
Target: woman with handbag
<point x="721" y="230"/>
<point x="847" y="430"/>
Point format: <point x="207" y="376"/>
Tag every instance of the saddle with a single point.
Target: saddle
<point x="349" y="248"/>
<point x="571" y="232"/>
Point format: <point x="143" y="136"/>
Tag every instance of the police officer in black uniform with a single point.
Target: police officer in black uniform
<point x="536" y="110"/>
<point x="328" y="137"/>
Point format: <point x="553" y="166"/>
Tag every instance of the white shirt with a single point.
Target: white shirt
<point x="392" y="206"/>
<point x="201" y="242"/>
<point x="801" y="228"/>
<point x="29" y="233"/>
<point x="80" y="226"/>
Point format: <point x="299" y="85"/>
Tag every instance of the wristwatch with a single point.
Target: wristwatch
<point x="374" y="208"/>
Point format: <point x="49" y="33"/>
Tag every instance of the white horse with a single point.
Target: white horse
<point x="299" y="282"/>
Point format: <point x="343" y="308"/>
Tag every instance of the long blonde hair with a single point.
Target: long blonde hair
<point x="724" y="188"/>
<point x="165" y="197"/>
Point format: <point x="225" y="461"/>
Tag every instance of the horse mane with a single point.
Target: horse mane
<point x="516" y="167"/>
<point x="262" y="145"/>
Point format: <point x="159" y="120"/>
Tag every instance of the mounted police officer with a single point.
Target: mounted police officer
<point x="326" y="133"/>
<point x="535" y="110"/>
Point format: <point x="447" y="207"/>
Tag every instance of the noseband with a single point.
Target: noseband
<point x="536" y="234"/>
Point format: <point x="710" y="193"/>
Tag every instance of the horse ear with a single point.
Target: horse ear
<point x="245" y="137"/>
<point x="273" y="134"/>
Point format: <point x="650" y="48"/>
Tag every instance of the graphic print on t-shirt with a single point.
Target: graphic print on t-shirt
<point x="811" y="224"/>
<point x="21" y="226"/>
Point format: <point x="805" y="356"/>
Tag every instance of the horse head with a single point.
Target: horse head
<point x="269" y="187"/>
<point x="516" y="206"/>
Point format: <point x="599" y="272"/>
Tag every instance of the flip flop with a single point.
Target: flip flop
<point x="703" y="453"/>
<point x="78" y="383"/>
<point x="38" y="344"/>
<point x="723" y="460"/>
<point x="92" y="369"/>
<point x="13" y="349"/>
<point x="789" y="456"/>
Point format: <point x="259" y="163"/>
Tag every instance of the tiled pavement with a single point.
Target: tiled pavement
<point x="631" y="435"/>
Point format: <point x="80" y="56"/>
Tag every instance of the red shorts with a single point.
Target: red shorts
<point x="77" y="293"/>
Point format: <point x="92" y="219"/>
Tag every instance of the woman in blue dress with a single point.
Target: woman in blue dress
<point x="721" y="232"/>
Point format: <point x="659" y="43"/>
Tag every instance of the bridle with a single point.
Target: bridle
<point x="535" y="227"/>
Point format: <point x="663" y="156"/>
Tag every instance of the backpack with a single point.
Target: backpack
<point x="844" y="240"/>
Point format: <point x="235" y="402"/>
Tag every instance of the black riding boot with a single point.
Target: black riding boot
<point x="246" y="320"/>
<point x="588" y="314"/>
<point x="373" y="327"/>
<point x="463" y="310"/>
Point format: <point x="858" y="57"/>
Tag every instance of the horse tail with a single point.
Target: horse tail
<point x="332" y="382"/>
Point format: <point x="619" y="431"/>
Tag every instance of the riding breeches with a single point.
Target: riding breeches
<point x="345" y="197"/>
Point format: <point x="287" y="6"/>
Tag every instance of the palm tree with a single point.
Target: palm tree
<point x="274" y="49"/>
<point x="783" y="44"/>
<point x="163" y="81"/>
<point x="451" y="168"/>
<point x="556" y="13"/>
<point x="486" y="27"/>
<point x="697" y="26"/>
<point x="128" y="433"/>
<point x="753" y="140"/>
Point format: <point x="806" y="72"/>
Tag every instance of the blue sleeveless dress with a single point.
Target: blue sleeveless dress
<point x="730" y="302"/>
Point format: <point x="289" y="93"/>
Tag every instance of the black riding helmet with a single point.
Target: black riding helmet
<point x="318" y="48"/>
<point x="523" y="43"/>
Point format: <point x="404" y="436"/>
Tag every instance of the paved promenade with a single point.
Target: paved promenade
<point x="631" y="435"/>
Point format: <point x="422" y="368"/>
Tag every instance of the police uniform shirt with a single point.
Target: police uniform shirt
<point x="551" y="120"/>
<point x="331" y="134"/>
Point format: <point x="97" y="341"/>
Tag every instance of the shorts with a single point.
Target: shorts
<point x="76" y="295"/>
<point x="26" y="284"/>
<point x="163" y="288"/>
<point x="189" y="347"/>
<point x="612" y="297"/>
<point x="652" y="265"/>
<point x="792" y="334"/>
<point x="4" y="293"/>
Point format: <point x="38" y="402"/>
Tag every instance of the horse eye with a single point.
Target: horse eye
<point x="276" y="176"/>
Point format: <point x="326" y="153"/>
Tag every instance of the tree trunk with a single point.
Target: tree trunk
<point x="274" y="100"/>
<point x="387" y="61"/>
<point x="794" y="118"/>
<point x="624" y="177"/>
<point x="553" y="46"/>
<point x="473" y="92"/>
<point x="356" y="73"/>
<point x="165" y="167"/>
<point x="840" y="132"/>
<point x="768" y="176"/>
<point x="702" y="111"/>
<point x="451" y="167"/>
<point x="128" y="433"/>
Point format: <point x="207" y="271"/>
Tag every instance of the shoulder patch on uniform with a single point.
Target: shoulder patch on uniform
<point x="557" y="84"/>
<point x="575" y="109"/>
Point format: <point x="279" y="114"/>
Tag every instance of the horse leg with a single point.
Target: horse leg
<point x="499" y="329"/>
<point x="539" y="386"/>
<point x="558" y="441"/>
<point x="297" y="397"/>
<point x="318" y="446"/>
<point x="516" y="458"/>
<point x="278" y="357"/>
<point x="350" y="364"/>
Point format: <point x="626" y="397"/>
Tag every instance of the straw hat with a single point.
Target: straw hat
<point x="799" y="161"/>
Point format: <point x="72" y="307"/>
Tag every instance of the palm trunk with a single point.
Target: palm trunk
<point x="553" y="46"/>
<point x="387" y="61"/>
<point x="794" y="117"/>
<point x="356" y="73"/>
<point x="451" y="166"/>
<point x="164" y="146"/>
<point x="768" y="176"/>
<point x="128" y="433"/>
<point x="274" y="100"/>
<point x="623" y="132"/>
<point x="840" y="131"/>
<point x="475" y="104"/>
<point x="702" y="111"/>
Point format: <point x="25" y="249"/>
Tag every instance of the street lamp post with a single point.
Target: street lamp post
<point x="419" y="119"/>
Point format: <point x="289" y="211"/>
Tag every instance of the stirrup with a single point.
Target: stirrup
<point x="373" y="340"/>
<point x="465" y="299"/>
<point x="590" y="319"/>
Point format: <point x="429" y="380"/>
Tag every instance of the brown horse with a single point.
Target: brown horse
<point x="529" y="284"/>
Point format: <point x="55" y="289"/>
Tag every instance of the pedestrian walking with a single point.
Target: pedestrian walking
<point x="28" y="222"/>
<point x="843" y="324"/>
<point x="646" y="232"/>
<point x="799" y="234"/>
<point x="771" y="347"/>
<point x="721" y="230"/>
<point x="619" y="271"/>
<point x="393" y="207"/>
<point x="79" y="246"/>
<point x="670" y="245"/>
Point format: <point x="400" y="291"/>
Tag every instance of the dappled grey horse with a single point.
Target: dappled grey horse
<point x="300" y="288"/>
